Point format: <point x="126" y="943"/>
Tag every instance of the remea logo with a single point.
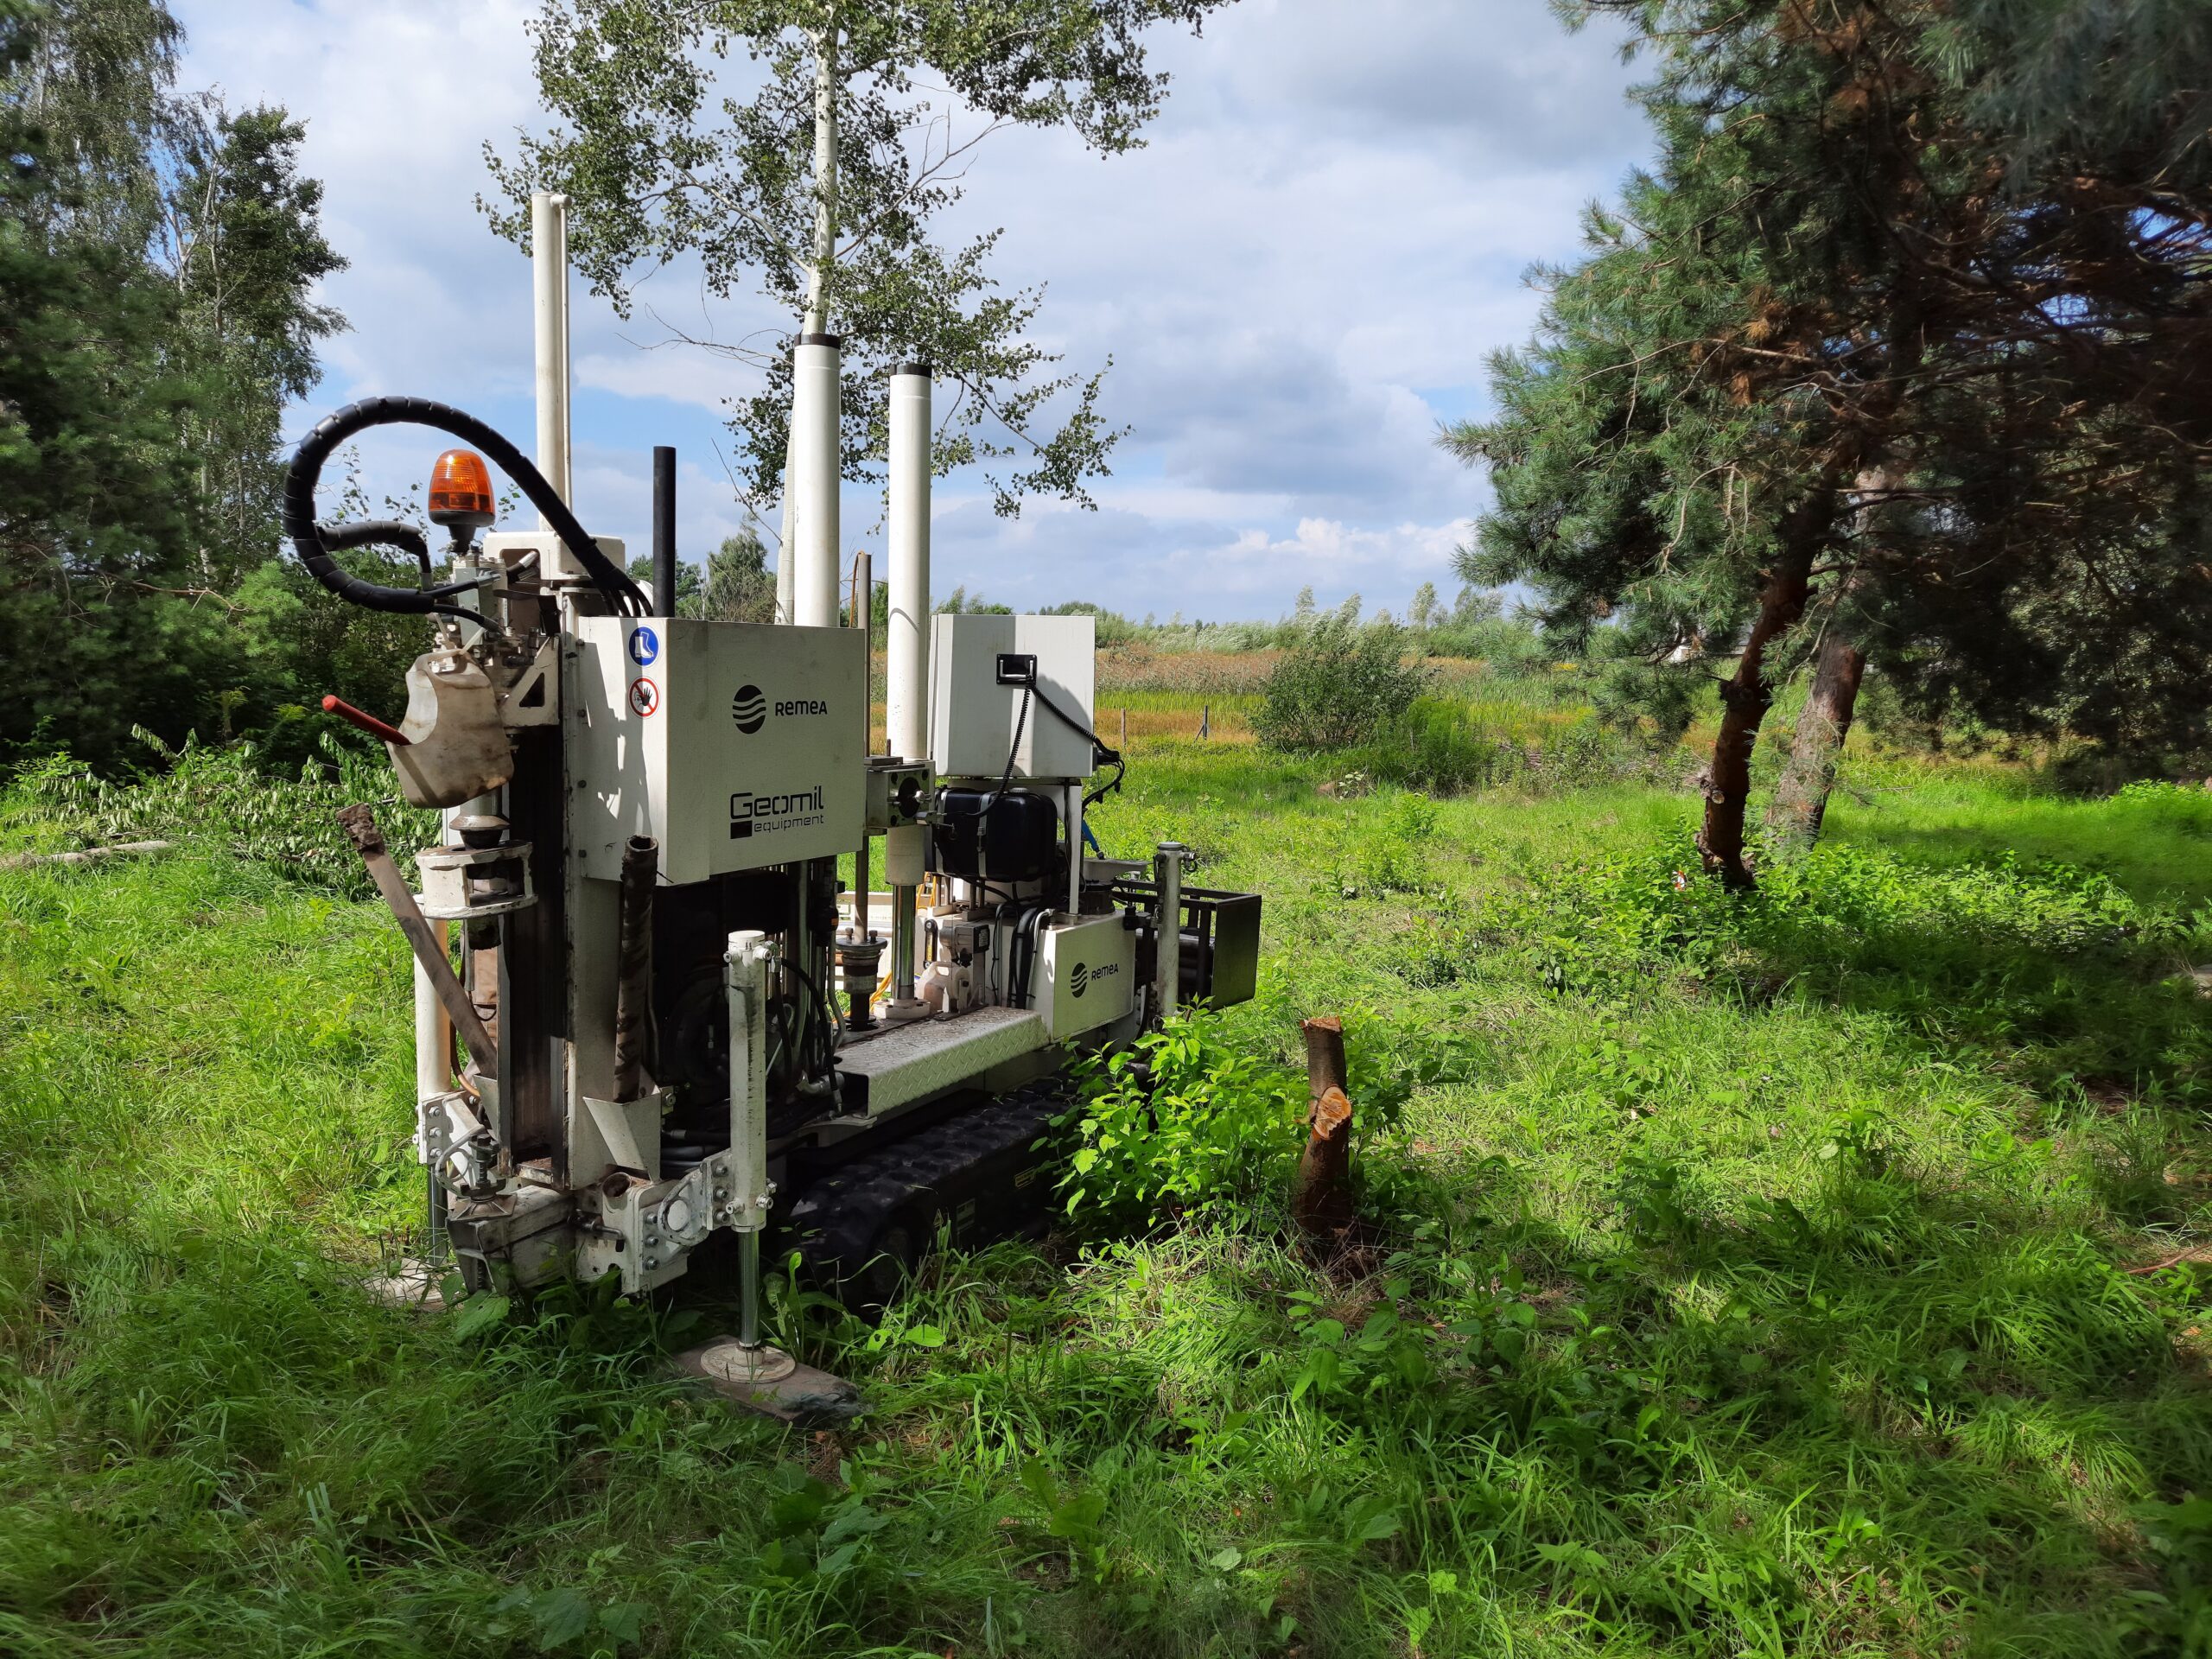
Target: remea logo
<point x="748" y="709"/>
<point x="1080" y="978"/>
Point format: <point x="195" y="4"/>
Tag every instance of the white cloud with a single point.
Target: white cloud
<point x="1308" y="261"/>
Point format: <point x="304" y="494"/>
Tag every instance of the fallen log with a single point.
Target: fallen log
<point x="89" y="856"/>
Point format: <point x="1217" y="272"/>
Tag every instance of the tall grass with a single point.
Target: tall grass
<point x="1769" y="1274"/>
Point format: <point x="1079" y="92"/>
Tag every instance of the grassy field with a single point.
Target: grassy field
<point x="1821" y="1271"/>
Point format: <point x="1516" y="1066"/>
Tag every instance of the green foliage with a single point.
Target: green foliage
<point x="662" y="161"/>
<point x="156" y="257"/>
<point x="1339" y="685"/>
<point x="960" y="601"/>
<point x="223" y="800"/>
<point x="244" y="248"/>
<point x="1179" y="1124"/>
<point x="739" y="586"/>
<point x="1448" y="746"/>
<point x="1759" y="395"/>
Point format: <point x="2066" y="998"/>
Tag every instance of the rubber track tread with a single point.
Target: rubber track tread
<point x="839" y="1217"/>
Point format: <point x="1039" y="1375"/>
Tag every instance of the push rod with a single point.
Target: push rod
<point x="359" y="824"/>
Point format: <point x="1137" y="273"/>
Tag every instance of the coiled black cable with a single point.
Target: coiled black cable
<point x="314" y="543"/>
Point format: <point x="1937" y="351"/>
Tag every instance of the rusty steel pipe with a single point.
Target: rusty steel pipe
<point x="359" y="824"/>
<point x="634" y="964"/>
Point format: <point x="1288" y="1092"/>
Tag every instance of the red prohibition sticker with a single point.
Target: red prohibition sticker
<point x="645" y="697"/>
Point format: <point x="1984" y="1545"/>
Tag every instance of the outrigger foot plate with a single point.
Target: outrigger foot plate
<point x="769" y="1381"/>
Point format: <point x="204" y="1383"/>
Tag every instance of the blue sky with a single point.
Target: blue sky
<point x="1296" y="278"/>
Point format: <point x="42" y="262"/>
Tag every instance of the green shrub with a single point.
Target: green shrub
<point x="1181" y="1123"/>
<point x="1440" y="745"/>
<point x="1437" y="745"/>
<point x="1342" y="684"/>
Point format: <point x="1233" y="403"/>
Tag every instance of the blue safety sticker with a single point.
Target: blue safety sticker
<point x="645" y="645"/>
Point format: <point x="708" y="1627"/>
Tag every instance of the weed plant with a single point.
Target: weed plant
<point x="1818" y="1271"/>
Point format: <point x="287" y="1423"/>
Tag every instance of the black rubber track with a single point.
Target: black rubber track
<point x="981" y="1169"/>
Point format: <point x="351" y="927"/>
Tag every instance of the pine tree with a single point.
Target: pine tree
<point x="1837" y="372"/>
<point x="242" y="241"/>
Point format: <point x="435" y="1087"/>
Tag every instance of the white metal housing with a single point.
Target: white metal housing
<point x="1086" y="975"/>
<point x="735" y="745"/>
<point x="972" y="716"/>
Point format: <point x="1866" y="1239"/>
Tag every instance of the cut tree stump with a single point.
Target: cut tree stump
<point x="1321" y="1204"/>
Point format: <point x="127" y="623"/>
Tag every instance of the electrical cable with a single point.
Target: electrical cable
<point x="313" y="544"/>
<point x="1101" y="753"/>
<point x="1013" y="750"/>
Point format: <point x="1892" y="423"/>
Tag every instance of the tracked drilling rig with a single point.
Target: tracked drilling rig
<point x="673" y="1020"/>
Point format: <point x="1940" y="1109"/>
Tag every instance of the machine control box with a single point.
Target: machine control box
<point x="980" y="667"/>
<point x="736" y="745"/>
<point x="1087" y="974"/>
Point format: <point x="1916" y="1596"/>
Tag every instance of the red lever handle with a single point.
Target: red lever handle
<point x="369" y="724"/>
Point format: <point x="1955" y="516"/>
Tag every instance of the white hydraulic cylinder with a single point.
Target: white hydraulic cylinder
<point x="744" y="976"/>
<point x="549" y="270"/>
<point x="433" y="1052"/>
<point x="907" y="640"/>
<point x="811" y="485"/>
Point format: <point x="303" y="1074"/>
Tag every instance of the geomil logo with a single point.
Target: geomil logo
<point x="748" y="709"/>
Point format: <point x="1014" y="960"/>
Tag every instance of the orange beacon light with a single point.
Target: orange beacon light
<point x="461" y="492"/>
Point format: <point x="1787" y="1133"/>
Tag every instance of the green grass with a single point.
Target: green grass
<point x="1752" y="1276"/>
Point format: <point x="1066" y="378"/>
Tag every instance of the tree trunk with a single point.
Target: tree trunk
<point x="1800" y="799"/>
<point x="1746" y="695"/>
<point x="1321" y="1202"/>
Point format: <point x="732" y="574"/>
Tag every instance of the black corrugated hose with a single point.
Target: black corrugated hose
<point x="314" y="542"/>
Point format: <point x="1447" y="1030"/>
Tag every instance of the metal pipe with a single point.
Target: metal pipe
<point x="748" y="1289"/>
<point x="548" y="267"/>
<point x="664" y="530"/>
<point x="812" y="485"/>
<point x="907" y="638"/>
<point x="633" y="957"/>
<point x="359" y="824"/>
<point x="745" y="979"/>
<point x="902" y="944"/>
<point x="860" y="891"/>
<point x="1168" y="926"/>
<point x="433" y="1033"/>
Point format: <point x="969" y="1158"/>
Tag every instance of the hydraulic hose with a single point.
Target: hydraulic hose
<point x="314" y="545"/>
<point x="423" y="600"/>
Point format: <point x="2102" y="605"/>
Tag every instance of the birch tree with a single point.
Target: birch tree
<point x="801" y="149"/>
